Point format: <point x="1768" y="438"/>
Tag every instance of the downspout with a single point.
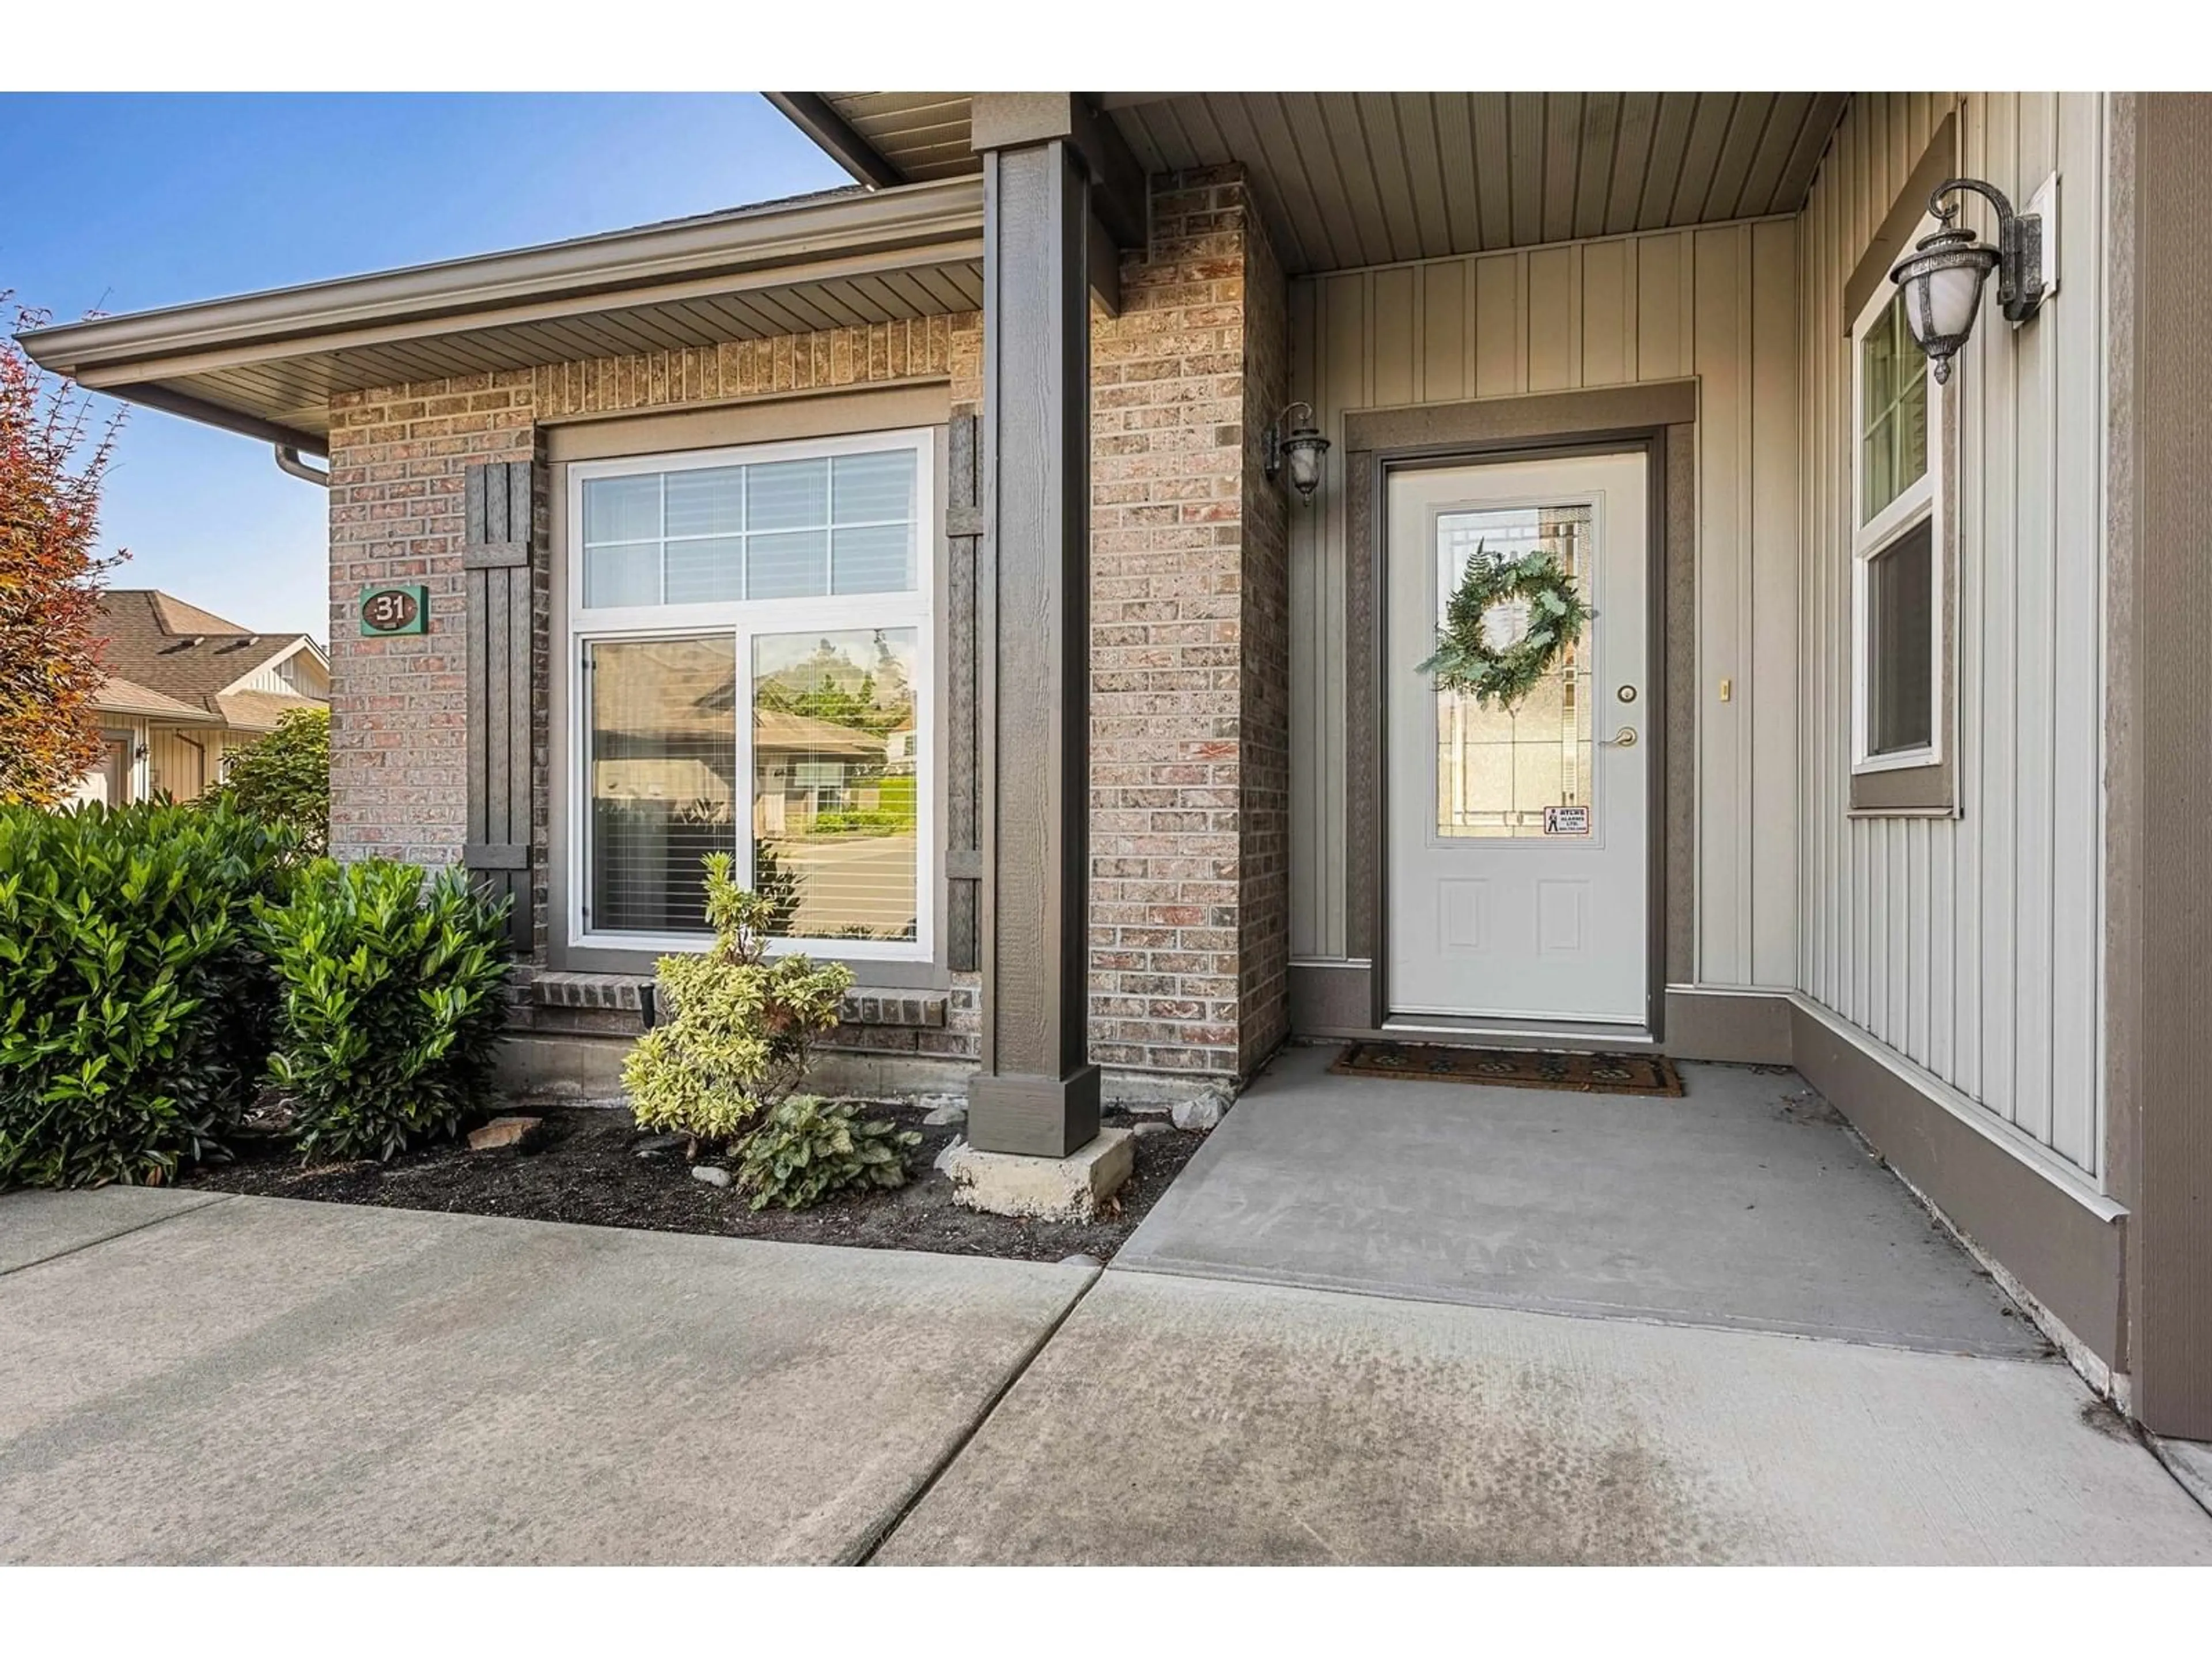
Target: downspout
<point x="200" y="749"/>
<point x="287" y="460"/>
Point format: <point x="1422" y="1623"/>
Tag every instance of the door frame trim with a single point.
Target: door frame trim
<point x="1471" y="434"/>
<point x="1651" y="446"/>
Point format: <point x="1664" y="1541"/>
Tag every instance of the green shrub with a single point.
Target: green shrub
<point x="283" y="779"/>
<point x="135" y="1002"/>
<point x="894" y="793"/>
<point x="859" y="821"/>
<point x="737" y="1029"/>
<point x="808" y="1149"/>
<point x="389" y="1008"/>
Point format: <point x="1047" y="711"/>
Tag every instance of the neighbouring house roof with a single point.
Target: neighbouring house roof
<point x="170" y="659"/>
<point x="121" y="696"/>
<point x="775" y="730"/>
<point x="259" y="711"/>
<point x="1372" y="178"/>
<point x="266" y="364"/>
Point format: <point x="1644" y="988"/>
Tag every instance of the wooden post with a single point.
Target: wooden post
<point x="1036" y="1092"/>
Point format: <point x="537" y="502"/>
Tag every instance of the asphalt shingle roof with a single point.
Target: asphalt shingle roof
<point x="156" y="644"/>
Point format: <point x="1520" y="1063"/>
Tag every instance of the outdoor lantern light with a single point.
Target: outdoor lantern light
<point x="1304" y="448"/>
<point x="1942" y="276"/>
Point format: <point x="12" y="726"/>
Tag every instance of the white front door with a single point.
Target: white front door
<point x="1518" y="858"/>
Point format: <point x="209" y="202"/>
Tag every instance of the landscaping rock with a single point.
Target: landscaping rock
<point x="1203" y="1110"/>
<point x="711" y="1174"/>
<point x="946" y="1110"/>
<point x="505" y="1132"/>
<point x="943" y="1160"/>
<point x="658" y="1145"/>
<point x="1152" y="1128"/>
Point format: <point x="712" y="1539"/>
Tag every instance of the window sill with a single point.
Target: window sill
<point x="1904" y="792"/>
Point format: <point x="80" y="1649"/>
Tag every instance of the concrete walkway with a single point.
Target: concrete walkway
<point x="1768" y="1353"/>
<point x="1574" y="1374"/>
<point x="1190" y="1420"/>
<point x="255" y="1380"/>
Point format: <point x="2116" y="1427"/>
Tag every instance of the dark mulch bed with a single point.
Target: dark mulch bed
<point x="586" y="1170"/>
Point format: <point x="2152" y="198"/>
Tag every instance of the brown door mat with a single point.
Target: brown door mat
<point x="1513" y="1068"/>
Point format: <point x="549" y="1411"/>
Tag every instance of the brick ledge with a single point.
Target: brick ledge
<point x="864" y="1005"/>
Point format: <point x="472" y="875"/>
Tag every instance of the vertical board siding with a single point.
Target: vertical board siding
<point x="183" y="764"/>
<point x="1970" y="944"/>
<point x="294" y="674"/>
<point x="1721" y="303"/>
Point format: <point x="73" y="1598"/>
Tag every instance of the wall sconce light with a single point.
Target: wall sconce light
<point x="1942" y="279"/>
<point x="1302" y="449"/>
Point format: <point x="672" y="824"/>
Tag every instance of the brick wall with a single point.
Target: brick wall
<point x="1184" y="749"/>
<point x="1190" y="591"/>
<point x="397" y="703"/>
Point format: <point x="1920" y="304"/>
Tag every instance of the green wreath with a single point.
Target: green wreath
<point x="1464" y="660"/>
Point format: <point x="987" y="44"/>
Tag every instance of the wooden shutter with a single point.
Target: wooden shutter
<point x="963" y="857"/>
<point x="498" y="596"/>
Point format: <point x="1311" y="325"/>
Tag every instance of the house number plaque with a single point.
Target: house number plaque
<point x="395" y="610"/>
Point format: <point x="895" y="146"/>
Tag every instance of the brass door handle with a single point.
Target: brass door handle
<point x="1624" y="738"/>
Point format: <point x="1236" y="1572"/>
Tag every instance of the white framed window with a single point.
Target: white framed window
<point x="1897" y="541"/>
<point x="750" y="654"/>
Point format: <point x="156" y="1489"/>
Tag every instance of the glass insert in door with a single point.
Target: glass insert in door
<point x="1497" y="770"/>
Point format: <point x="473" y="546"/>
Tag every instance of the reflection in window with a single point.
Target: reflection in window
<point x="1893" y="411"/>
<point x="1497" y="771"/>
<point x="836" y="817"/>
<point x="662" y="768"/>
<point x="1900" y="626"/>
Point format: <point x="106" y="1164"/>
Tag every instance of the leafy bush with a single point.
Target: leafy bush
<point x="389" y="1007"/>
<point x="284" y="778"/>
<point x="135" y="1002"/>
<point x="737" y="1029"/>
<point x="808" y="1149"/>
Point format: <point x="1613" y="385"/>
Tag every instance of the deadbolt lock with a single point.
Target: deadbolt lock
<point x="1626" y="694"/>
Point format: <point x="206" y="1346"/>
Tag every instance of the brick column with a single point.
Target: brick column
<point x="1190" y="659"/>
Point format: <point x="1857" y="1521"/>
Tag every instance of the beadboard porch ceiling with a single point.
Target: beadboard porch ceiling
<point x="1361" y="178"/>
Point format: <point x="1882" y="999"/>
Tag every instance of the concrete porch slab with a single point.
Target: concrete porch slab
<point x="1186" y="1420"/>
<point x="1745" y="1204"/>
<point x="36" y="1226"/>
<point x="263" y="1380"/>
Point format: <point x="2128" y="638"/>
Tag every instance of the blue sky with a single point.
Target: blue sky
<point x="123" y="202"/>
